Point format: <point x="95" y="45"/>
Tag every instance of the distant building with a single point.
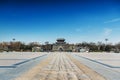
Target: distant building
<point x="61" y="45"/>
<point x="37" y="49"/>
<point x="47" y="47"/>
<point x="3" y="47"/>
<point x="78" y="48"/>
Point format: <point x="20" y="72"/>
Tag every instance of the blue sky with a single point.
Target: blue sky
<point x="74" y="20"/>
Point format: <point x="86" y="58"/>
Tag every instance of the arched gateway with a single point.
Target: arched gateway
<point x="60" y="45"/>
<point x="60" y="48"/>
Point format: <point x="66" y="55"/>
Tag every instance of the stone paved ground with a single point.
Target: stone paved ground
<point x="11" y="58"/>
<point x="106" y="64"/>
<point x="60" y="66"/>
<point x="111" y="60"/>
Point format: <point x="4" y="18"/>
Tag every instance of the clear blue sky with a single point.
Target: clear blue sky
<point x="74" y="20"/>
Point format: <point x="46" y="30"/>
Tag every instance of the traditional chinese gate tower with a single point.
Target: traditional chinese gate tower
<point x="60" y="45"/>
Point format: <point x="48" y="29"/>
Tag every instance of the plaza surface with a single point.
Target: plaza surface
<point x="106" y="64"/>
<point x="20" y="63"/>
<point x="111" y="60"/>
<point x="59" y="66"/>
<point x="9" y="59"/>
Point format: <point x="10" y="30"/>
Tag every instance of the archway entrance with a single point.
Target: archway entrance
<point x="60" y="48"/>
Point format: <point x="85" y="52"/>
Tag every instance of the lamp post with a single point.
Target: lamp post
<point x="106" y="43"/>
<point x="47" y="46"/>
<point x="106" y="40"/>
<point x="13" y="39"/>
<point x="13" y="44"/>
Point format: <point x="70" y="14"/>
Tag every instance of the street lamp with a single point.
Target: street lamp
<point x="106" y="40"/>
<point x="106" y="43"/>
<point x="13" y="44"/>
<point x="13" y="39"/>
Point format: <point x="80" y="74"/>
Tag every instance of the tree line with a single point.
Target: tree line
<point x="93" y="47"/>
